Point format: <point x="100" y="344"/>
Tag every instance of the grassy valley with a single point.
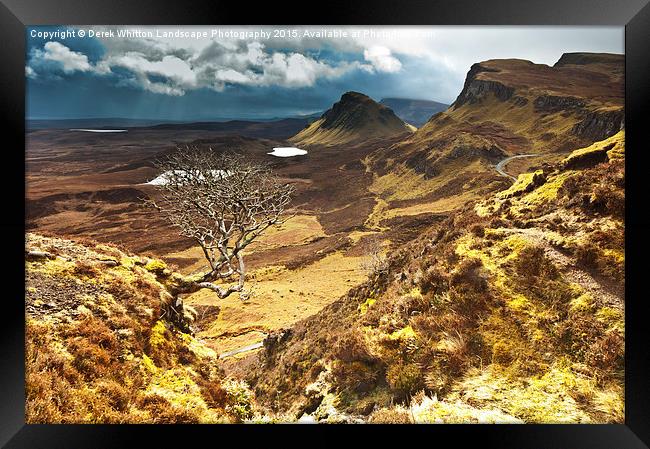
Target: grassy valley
<point x="510" y="311"/>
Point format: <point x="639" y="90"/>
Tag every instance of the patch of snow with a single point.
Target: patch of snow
<point x="163" y="178"/>
<point x="100" y="130"/>
<point x="287" y="152"/>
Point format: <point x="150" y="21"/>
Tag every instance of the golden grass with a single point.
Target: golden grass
<point x="430" y="410"/>
<point x="297" y="230"/>
<point x="552" y="397"/>
<point x="402" y="183"/>
<point x="550" y="351"/>
<point x="443" y="205"/>
<point x="281" y="297"/>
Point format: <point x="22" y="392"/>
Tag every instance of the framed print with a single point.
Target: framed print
<point x="424" y="215"/>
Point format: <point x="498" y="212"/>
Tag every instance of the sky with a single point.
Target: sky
<point x="219" y="73"/>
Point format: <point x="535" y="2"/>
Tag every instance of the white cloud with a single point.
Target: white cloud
<point x="233" y="76"/>
<point x="297" y="70"/>
<point x="70" y="61"/>
<point x="160" y="87"/>
<point x="215" y="65"/>
<point x="382" y="59"/>
<point x="178" y="74"/>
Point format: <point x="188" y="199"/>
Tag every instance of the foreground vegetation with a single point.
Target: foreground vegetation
<point x="510" y="311"/>
<point x="101" y="350"/>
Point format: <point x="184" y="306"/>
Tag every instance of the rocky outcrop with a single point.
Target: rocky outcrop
<point x="491" y="153"/>
<point x="526" y="182"/>
<point x="554" y="103"/>
<point x="420" y="163"/>
<point x="476" y="89"/>
<point x="587" y="159"/>
<point x="274" y="340"/>
<point x="480" y="89"/>
<point x="599" y="125"/>
<point x="603" y="151"/>
<point x="519" y="101"/>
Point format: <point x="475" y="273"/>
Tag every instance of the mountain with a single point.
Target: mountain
<point x="510" y="310"/>
<point x="415" y="112"/>
<point x="506" y="107"/>
<point x="354" y="118"/>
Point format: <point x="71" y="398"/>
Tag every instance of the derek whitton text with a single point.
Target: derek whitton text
<point x="203" y="33"/>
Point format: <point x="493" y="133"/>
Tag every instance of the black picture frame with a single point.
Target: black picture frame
<point x="16" y="14"/>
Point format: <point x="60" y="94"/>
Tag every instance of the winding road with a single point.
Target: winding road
<point x="501" y="165"/>
<point x="240" y="350"/>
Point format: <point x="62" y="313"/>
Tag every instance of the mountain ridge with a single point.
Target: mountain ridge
<point x="506" y="107"/>
<point x="414" y="111"/>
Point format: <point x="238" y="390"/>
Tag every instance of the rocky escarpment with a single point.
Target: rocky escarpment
<point x="476" y="89"/>
<point x="506" y="107"/>
<point x="555" y="103"/>
<point x="599" y="125"/>
<point x="593" y="125"/>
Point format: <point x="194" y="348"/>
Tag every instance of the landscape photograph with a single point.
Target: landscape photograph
<point x="322" y="224"/>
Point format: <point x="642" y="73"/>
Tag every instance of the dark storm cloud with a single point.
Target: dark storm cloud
<point x="182" y="79"/>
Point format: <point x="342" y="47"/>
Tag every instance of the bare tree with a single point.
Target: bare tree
<point x="377" y="261"/>
<point x="223" y="202"/>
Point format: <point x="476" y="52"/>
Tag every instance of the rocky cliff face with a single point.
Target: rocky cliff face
<point x="599" y="125"/>
<point x="476" y="89"/>
<point x="556" y="103"/>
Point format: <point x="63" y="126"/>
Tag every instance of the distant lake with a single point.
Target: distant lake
<point x="100" y="130"/>
<point x="287" y="152"/>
